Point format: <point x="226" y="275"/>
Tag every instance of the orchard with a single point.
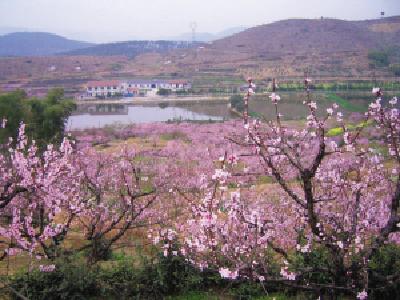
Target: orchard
<point x="278" y="205"/>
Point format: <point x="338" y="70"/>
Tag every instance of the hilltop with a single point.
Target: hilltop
<point x="301" y="36"/>
<point x="36" y="44"/>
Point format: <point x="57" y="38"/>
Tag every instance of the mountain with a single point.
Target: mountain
<point x="7" y="30"/>
<point x="132" y="48"/>
<point x="206" y="36"/>
<point x="318" y="35"/>
<point x="36" y="44"/>
<point x="287" y="48"/>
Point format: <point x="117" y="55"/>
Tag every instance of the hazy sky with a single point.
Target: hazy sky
<point x="111" y="20"/>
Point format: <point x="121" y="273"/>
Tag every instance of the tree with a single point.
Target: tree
<point x="12" y="108"/>
<point x="379" y="58"/>
<point x="118" y="197"/>
<point x="339" y="201"/>
<point x="236" y="102"/>
<point x="35" y="208"/>
<point x="45" y="119"/>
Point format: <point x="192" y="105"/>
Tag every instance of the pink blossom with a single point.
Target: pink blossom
<point x="275" y="97"/>
<point x="47" y="269"/>
<point x="362" y="295"/>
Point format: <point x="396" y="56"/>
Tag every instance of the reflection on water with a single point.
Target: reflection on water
<point x="100" y="115"/>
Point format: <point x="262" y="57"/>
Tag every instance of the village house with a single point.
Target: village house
<point x="151" y="87"/>
<point x="106" y="89"/>
<point x="132" y="88"/>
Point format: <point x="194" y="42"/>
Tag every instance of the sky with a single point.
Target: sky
<point x="118" y="20"/>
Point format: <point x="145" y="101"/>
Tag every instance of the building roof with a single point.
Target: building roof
<point x="179" y="81"/>
<point x="129" y="90"/>
<point x="103" y="83"/>
<point x="156" y="81"/>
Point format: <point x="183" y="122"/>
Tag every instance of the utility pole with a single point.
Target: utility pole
<point x="193" y="27"/>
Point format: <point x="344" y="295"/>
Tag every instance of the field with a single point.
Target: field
<point x="180" y="160"/>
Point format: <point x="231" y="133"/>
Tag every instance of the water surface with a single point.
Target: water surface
<point x="100" y="115"/>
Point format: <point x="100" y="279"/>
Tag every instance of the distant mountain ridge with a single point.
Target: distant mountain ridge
<point x="206" y="36"/>
<point x="37" y="44"/>
<point x="132" y="48"/>
<point x="286" y="36"/>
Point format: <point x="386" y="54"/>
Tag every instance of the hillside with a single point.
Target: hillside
<point x="132" y="48"/>
<point x="328" y="49"/>
<point x="325" y="47"/>
<point x="321" y="35"/>
<point x="36" y="44"/>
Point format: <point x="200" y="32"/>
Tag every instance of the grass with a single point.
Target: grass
<point x="343" y="103"/>
<point x="339" y="130"/>
<point x="176" y="135"/>
<point x="213" y="296"/>
<point x="334" y="131"/>
<point x="195" y="296"/>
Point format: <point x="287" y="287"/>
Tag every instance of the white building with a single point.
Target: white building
<point x="104" y="88"/>
<point x="131" y="88"/>
<point x="173" y="85"/>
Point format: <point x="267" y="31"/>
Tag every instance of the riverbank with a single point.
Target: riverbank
<point x="156" y="99"/>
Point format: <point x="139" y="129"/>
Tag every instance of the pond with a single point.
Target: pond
<point x="101" y="115"/>
<point x="291" y="107"/>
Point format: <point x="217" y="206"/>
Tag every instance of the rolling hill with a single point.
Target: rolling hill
<point x="36" y="44"/>
<point x="329" y="49"/>
<point x="132" y="48"/>
<point x="287" y="48"/>
<point x="318" y="35"/>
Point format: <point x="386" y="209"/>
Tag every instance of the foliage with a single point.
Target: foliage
<point x="343" y="103"/>
<point x="236" y="102"/>
<point x="48" y="117"/>
<point x="386" y="263"/>
<point x="68" y="281"/>
<point x="335" y="131"/>
<point x="45" y="118"/>
<point x="14" y="109"/>
<point x="395" y="68"/>
<point x="126" y="278"/>
<point x="379" y="58"/>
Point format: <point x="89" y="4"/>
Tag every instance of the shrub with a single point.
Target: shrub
<point x="236" y="102"/>
<point x="395" y="68"/>
<point x="149" y="279"/>
<point x="68" y="281"/>
<point x="386" y="263"/>
<point x="379" y="58"/>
